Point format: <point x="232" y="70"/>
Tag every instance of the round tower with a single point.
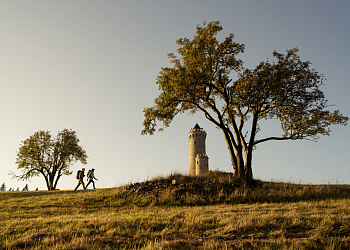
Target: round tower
<point x="197" y="137"/>
<point x="202" y="164"/>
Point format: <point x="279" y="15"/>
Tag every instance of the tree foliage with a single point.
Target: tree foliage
<point x="50" y="157"/>
<point x="201" y="80"/>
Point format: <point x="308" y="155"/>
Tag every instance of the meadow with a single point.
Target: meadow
<point x="220" y="215"/>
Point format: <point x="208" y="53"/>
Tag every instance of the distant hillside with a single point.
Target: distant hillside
<point x="179" y="212"/>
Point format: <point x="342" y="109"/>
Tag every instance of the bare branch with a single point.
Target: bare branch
<point x="272" y="138"/>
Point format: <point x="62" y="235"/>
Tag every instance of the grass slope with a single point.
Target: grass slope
<point x="221" y="215"/>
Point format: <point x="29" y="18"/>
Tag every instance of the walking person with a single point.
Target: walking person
<point x="91" y="177"/>
<point x="80" y="177"/>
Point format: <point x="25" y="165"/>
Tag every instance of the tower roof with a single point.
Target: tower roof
<point x="196" y="129"/>
<point x="197" y="126"/>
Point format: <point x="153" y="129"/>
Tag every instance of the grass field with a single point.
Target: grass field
<point x="222" y="215"/>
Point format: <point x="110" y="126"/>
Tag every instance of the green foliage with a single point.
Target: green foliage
<point x="201" y="79"/>
<point x="288" y="90"/>
<point x="197" y="79"/>
<point x="49" y="157"/>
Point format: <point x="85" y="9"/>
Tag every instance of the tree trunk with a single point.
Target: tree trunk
<point x="231" y="152"/>
<point x="240" y="163"/>
<point x="57" y="178"/>
<point x="248" y="166"/>
<point x="249" y="151"/>
<point x="47" y="181"/>
<point x="242" y="170"/>
<point x="237" y="161"/>
<point x="51" y="181"/>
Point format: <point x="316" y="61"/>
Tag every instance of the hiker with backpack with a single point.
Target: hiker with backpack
<point x="80" y="177"/>
<point x="91" y="177"/>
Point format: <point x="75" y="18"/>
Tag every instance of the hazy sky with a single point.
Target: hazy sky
<point x="91" y="66"/>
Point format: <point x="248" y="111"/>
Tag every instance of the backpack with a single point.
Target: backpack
<point x="78" y="174"/>
<point x="89" y="174"/>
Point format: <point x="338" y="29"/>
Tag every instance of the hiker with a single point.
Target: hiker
<point x="91" y="177"/>
<point x="80" y="177"/>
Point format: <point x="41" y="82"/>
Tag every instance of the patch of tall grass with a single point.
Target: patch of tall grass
<point x="223" y="188"/>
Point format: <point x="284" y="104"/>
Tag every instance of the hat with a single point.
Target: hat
<point x="92" y="169"/>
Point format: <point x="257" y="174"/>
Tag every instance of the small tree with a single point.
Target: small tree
<point x="3" y="187"/>
<point x="10" y="189"/>
<point x="17" y="189"/>
<point x="201" y="80"/>
<point x="49" y="157"/>
<point x="26" y="188"/>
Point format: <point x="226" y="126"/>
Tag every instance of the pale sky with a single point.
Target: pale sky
<point x="91" y="66"/>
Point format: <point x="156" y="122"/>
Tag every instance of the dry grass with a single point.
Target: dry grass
<point x="269" y="216"/>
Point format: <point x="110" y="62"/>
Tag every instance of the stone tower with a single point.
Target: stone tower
<point x="198" y="157"/>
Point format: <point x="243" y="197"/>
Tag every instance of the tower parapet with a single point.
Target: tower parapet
<point x="197" y="136"/>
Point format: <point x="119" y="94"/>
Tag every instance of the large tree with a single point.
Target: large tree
<point x="50" y="157"/>
<point x="201" y="80"/>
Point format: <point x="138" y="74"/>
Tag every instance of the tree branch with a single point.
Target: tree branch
<point x="273" y="138"/>
<point x="24" y="176"/>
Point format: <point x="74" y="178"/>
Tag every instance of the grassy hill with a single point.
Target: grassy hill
<point x="210" y="212"/>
